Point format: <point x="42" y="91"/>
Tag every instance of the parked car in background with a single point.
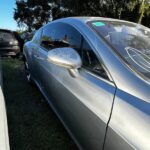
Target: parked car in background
<point x="95" y="74"/>
<point x="19" y="39"/>
<point x="10" y="44"/>
<point x="4" y="139"/>
<point x="27" y="36"/>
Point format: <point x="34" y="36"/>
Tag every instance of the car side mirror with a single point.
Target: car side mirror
<point x="67" y="58"/>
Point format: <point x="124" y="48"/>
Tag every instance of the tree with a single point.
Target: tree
<point x="35" y="13"/>
<point x="138" y="9"/>
<point x="32" y="13"/>
<point x="144" y="8"/>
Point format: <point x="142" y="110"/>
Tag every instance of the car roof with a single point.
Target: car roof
<point x="84" y="20"/>
<point x="87" y="19"/>
<point x="6" y="30"/>
<point x="77" y="21"/>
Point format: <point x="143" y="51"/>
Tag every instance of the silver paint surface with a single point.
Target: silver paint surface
<point x="98" y="114"/>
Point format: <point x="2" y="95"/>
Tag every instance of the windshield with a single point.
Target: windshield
<point x="6" y="36"/>
<point x="132" y="41"/>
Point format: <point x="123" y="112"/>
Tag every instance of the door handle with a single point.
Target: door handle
<point x="38" y="57"/>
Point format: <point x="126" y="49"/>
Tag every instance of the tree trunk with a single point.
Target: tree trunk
<point x="141" y="11"/>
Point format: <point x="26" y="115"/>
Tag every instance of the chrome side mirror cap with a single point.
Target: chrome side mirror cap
<point x="67" y="58"/>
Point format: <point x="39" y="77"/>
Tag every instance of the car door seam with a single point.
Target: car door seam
<point x="109" y="118"/>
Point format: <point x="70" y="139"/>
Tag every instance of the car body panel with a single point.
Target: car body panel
<point x="83" y="108"/>
<point x="116" y="141"/>
<point x="130" y="120"/>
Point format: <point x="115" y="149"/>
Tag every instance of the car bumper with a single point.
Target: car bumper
<point x="9" y="51"/>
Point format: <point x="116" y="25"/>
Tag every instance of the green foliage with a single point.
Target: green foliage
<point x="35" y="13"/>
<point x="32" y="13"/>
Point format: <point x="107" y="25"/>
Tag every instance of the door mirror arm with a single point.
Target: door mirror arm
<point x="74" y="72"/>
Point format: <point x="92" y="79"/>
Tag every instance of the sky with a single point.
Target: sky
<point x="6" y="14"/>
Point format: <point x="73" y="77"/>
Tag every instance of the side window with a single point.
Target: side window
<point x="37" y="37"/>
<point x="91" y="62"/>
<point x="47" y="37"/>
<point x="70" y="36"/>
<point x="60" y="35"/>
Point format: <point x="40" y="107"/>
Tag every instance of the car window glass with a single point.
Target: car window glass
<point x="48" y="37"/>
<point x="37" y="37"/>
<point x="6" y="36"/>
<point x="91" y="62"/>
<point x="130" y="41"/>
<point x="61" y="35"/>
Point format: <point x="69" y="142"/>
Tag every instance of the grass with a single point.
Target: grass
<point x="31" y="122"/>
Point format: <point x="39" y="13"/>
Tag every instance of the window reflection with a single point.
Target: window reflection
<point x="132" y="41"/>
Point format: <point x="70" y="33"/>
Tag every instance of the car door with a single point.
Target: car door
<point x="84" y="103"/>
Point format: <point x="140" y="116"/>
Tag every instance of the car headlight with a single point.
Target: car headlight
<point x="10" y="42"/>
<point x="15" y="42"/>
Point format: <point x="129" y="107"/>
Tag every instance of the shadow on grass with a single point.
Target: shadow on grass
<point x="31" y="122"/>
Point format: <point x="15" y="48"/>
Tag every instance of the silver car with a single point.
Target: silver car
<point x="95" y="74"/>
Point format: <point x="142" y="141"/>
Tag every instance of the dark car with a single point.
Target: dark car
<point x="27" y="36"/>
<point x="10" y="43"/>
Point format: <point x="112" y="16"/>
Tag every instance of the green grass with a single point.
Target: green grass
<point x="31" y="122"/>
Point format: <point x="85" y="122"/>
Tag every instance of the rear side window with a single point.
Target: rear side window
<point x="6" y="36"/>
<point x="60" y="35"/>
